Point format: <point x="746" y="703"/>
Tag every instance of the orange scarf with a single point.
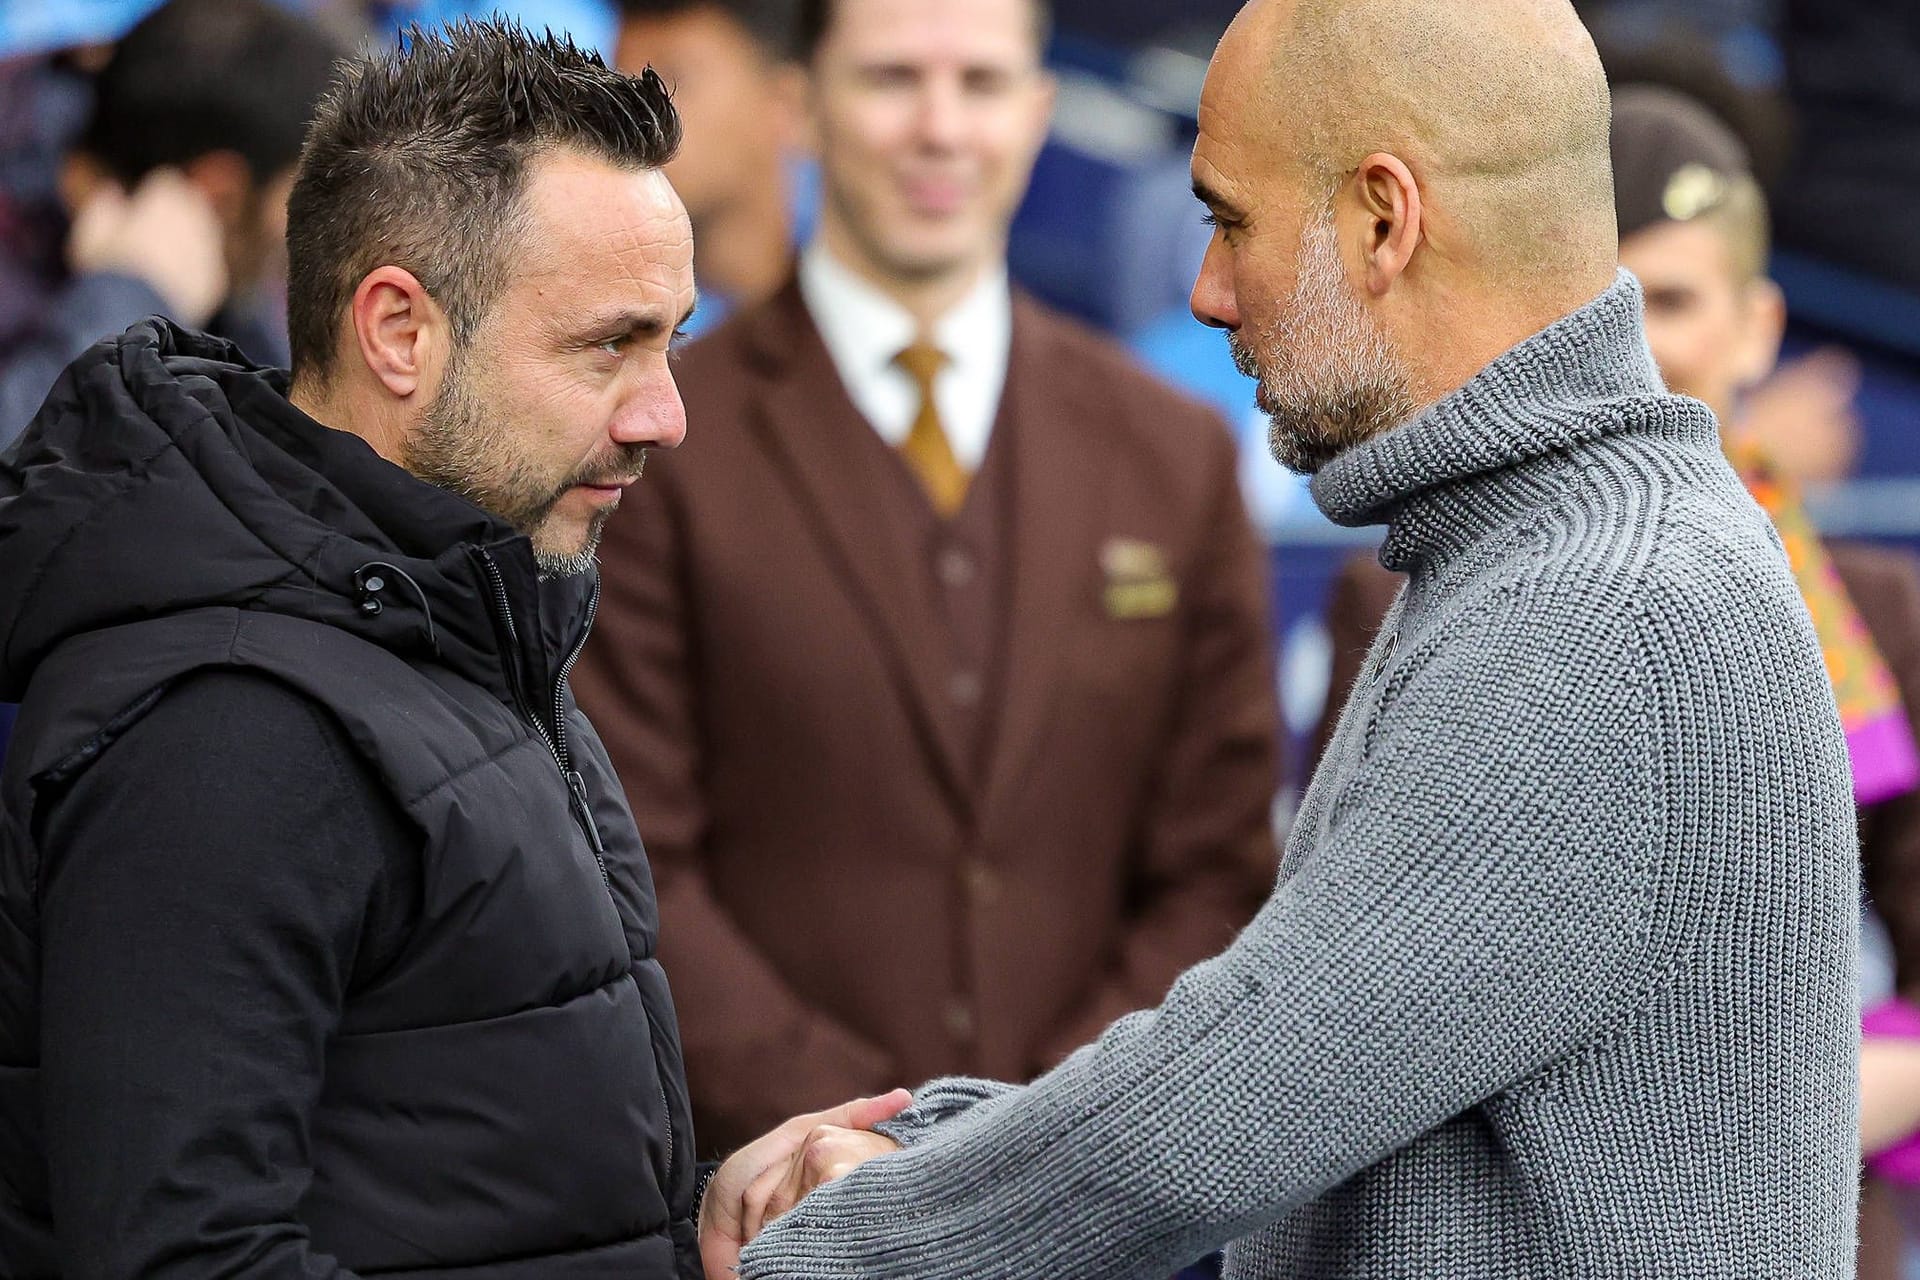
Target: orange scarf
<point x="1880" y="738"/>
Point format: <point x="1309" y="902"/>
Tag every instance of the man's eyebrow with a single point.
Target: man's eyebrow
<point x="647" y="321"/>
<point x="1207" y="196"/>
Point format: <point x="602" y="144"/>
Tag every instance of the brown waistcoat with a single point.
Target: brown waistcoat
<point x="926" y="797"/>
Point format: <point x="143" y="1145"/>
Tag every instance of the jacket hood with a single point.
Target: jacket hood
<point x="168" y="473"/>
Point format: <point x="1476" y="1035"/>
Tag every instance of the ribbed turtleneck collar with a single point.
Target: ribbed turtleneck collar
<point x="1455" y="470"/>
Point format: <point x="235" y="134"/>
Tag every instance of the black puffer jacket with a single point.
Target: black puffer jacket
<point x="504" y="1099"/>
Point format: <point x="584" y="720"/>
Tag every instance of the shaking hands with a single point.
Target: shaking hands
<point x="769" y="1176"/>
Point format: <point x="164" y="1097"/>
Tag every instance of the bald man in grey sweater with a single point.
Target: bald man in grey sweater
<point x="1557" y="977"/>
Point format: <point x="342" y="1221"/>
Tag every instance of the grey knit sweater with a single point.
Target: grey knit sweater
<point x="1557" y="977"/>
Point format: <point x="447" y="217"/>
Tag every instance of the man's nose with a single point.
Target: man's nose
<point x="653" y="416"/>
<point x="1213" y="302"/>
<point x="941" y="121"/>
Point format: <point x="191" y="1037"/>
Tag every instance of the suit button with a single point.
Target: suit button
<point x="965" y="688"/>
<point x="957" y="567"/>
<point x="959" y="1020"/>
<point x="983" y="884"/>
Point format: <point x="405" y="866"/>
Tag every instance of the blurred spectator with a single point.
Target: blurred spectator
<point x="936" y="665"/>
<point x="1693" y="228"/>
<point x="1675" y="53"/>
<point x="177" y="187"/>
<point x="728" y="62"/>
<point x="1802" y="416"/>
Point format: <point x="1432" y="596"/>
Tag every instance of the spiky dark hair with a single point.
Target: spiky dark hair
<point x="417" y="158"/>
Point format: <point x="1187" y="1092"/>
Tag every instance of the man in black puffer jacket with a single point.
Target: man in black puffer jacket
<point x="326" y="938"/>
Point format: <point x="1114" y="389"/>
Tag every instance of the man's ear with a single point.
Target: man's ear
<point x="1048" y="91"/>
<point x="787" y="92"/>
<point x="1390" y="203"/>
<point x="1764" y="324"/>
<point x="401" y="333"/>
<point x="805" y="87"/>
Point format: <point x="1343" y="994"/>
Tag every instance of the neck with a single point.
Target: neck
<point x="745" y="248"/>
<point x="334" y="407"/>
<point x="1502" y="445"/>
<point x="924" y="297"/>
<point x="1505" y="320"/>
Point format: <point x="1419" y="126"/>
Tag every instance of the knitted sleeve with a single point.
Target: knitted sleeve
<point x="937" y="1102"/>
<point x="1473" y="905"/>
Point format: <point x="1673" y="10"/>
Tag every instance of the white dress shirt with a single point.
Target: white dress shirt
<point x="865" y="331"/>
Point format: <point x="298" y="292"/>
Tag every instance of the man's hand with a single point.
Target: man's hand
<point x="829" y="1152"/>
<point x="1803" y="417"/>
<point x="165" y="234"/>
<point x="778" y="1169"/>
<point x="1889" y="1092"/>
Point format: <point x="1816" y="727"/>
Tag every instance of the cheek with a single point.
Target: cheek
<point x="1683" y="347"/>
<point x="1258" y="284"/>
<point x="555" y="411"/>
<point x="872" y="133"/>
<point x="1006" y="144"/>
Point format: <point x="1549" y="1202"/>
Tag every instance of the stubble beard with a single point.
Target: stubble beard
<point x="1329" y="376"/>
<point x="461" y="448"/>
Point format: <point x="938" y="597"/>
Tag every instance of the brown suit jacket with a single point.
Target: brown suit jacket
<point x="846" y="902"/>
<point x="1885" y="587"/>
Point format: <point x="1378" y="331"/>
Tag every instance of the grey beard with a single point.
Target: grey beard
<point x="552" y="564"/>
<point x="1329" y="377"/>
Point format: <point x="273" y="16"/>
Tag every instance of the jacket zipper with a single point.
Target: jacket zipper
<point x="556" y="741"/>
<point x="556" y="738"/>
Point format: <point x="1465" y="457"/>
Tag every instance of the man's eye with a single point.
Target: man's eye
<point x="613" y="346"/>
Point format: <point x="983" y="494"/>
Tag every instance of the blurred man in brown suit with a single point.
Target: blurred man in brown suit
<point x="936" y="666"/>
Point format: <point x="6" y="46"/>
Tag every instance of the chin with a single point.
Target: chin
<point x="564" y="561"/>
<point x="937" y="254"/>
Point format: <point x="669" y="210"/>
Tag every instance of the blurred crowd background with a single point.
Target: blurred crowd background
<point x="1825" y="94"/>
<point x="156" y="181"/>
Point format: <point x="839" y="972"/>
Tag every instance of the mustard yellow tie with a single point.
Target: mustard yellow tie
<point x="926" y="448"/>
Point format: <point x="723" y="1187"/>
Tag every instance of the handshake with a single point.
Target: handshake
<point x="770" y="1175"/>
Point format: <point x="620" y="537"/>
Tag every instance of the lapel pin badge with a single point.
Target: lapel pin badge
<point x="1139" y="582"/>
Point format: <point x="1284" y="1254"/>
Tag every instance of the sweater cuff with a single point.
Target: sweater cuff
<point x="936" y="1102"/>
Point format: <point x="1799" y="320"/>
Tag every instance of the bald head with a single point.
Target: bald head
<point x="1499" y="107"/>
<point x="1433" y="173"/>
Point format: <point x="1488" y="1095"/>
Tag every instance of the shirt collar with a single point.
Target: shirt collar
<point x="865" y="330"/>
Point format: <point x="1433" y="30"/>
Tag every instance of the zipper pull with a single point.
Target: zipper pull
<point x="583" y="814"/>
